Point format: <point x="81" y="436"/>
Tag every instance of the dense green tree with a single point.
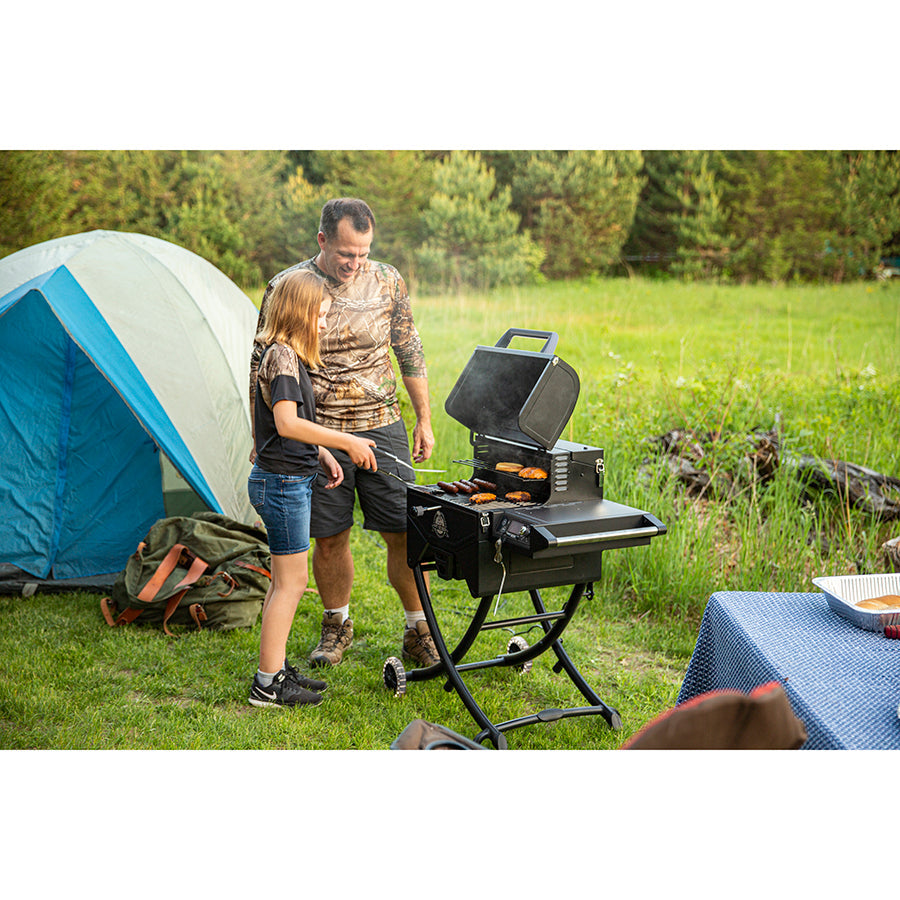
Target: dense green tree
<point x="780" y="208"/>
<point x="121" y="190"/>
<point x="471" y="235"/>
<point x="34" y="198"/>
<point x="579" y="205"/>
<point x="806" y="215"/>
<point x="55" y="193"/>
<point x="700" y="227"/>
<point x="867" y="209"/>
<point x="225" y="206"/>
<point x="303" y="206"/>
<point x="480" y="217"/>
<point x="231" y="210"/>
<point x="652" y="241"/>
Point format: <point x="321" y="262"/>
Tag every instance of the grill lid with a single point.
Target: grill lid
<point x="516" y="395"/>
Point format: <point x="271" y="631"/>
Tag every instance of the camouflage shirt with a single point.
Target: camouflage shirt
<point x="356" y="388"/>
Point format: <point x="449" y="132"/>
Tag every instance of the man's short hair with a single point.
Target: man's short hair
<point x="361" y="217"/>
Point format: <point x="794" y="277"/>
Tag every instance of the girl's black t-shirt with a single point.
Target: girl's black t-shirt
<point x="283" y="377"/>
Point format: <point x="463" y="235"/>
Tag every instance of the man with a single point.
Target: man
<point x="355" y="391"/>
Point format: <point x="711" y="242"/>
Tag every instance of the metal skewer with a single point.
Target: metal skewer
<point x="404" y="463"/>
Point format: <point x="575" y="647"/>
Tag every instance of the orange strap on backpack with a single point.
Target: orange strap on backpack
<point x="196" y="568"/>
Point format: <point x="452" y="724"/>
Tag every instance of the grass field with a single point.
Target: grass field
<point x="651" y="356"/>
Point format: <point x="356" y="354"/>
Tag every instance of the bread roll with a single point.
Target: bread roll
<point x="886" y="601"/>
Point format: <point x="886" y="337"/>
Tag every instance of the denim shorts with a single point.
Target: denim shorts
<point x="283" y="503"/>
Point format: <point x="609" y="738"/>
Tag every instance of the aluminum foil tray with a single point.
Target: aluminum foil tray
<point x="844" y="591"/>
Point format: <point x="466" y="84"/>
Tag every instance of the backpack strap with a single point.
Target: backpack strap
<point x="163" y="571"/>
<point x="107" y="610"/>
<point x="150" y="590"/>
<point x="196" y="568"/>
<point x="198" y="614"/>
<point x="260" y="569"/>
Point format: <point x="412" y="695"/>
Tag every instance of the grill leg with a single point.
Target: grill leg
<point x="564" y="663"/>
<point x="449" y="664"/>
<point x="453" y="676"/>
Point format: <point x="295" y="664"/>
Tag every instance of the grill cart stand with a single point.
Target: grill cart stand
<point x="518" y="655"/>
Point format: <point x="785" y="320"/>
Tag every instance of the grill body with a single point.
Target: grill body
<point x="557" y="539"/>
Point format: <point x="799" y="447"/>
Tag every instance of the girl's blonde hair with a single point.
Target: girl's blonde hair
<point x="292" y="315"/>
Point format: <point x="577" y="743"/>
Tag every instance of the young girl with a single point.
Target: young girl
<point x="290" y="447"/>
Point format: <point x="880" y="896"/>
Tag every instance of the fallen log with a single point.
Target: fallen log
<point x="860" y="487"/>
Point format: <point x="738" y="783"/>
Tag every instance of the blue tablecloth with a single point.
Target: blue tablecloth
<point x="843" y="682"/>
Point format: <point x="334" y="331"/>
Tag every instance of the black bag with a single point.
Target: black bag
<point x="204" y="569"/>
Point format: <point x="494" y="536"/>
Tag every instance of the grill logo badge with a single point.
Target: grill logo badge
<point x="439" y="525"/>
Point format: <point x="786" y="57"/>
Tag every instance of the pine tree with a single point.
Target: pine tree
<point x="701" y="225"/>
<point x="867" y="209"/>
<point x="472" y="236"/>
<point x="580" y="205"/>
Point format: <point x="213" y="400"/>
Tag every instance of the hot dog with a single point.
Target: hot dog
<point x="447" y="487"/>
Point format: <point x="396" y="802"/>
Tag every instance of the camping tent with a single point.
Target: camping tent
<point x="123" y="389"/>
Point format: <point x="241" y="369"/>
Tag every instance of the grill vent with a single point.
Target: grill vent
<point x="560" y="474"/>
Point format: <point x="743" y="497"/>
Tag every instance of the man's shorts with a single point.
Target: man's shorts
<point x="381" y="497"/>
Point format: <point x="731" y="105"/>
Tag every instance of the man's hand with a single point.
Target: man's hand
<point x="423" y="441"/>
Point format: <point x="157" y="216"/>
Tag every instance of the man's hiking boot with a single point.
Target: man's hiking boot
<point x="311" y="684"/>
<point x="283" y="691"/>
<point x="336" y="638"/>
<point x="418" y="645"/>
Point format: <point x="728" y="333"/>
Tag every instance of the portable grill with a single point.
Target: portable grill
<point x="516" y="404"/>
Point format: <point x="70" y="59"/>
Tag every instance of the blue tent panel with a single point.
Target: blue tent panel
<point x="77" y="462"/>
<point x="66" y="470"/>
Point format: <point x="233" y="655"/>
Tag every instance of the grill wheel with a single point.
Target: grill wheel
<point x="394" y="676"/>
<point x="517" y="644"/>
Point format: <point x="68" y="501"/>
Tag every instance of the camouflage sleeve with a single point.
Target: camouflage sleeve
<point x="405" y="340"/>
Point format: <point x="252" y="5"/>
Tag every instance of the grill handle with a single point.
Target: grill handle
<point x="654" y="529"/>
<point x="604" y="537"/>
<point x="551" y="338"/>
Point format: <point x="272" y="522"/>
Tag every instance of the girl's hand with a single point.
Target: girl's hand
<point x="332" y="469"/>
<point x="360" y="452"/>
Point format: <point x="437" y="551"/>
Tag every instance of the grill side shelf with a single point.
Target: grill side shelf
<point x="538" y="540"/>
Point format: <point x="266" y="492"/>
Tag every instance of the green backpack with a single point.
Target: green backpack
<point x="204" y="569"/>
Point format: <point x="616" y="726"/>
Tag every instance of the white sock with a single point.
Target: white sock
<point x="343" y="610"/>
<point x="265" y="678"/>
<point x="413" y="616"/>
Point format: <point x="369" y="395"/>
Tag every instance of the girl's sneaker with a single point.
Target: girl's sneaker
<point x="311" y="684"/>
<point x="283" y="691"/>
